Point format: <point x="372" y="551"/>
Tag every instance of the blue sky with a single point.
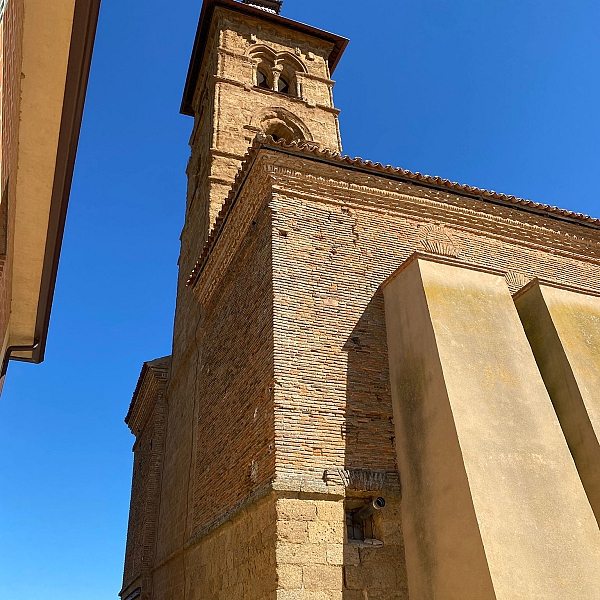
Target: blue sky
<point x="501" y="94"/>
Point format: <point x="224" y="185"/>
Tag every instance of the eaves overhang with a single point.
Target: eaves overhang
<point x="315" y="153"/>
<point x="158" y="369"/>
<point x="339" y="43"/>
<point x="50" y="191"/>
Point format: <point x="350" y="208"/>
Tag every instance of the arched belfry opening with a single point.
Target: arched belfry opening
<point x="280" y="124"/>
<point x="253" y="71"/>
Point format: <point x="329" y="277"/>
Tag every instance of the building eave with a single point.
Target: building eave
<point x="154" y="368"/>
<point x="208" y="8"/>
<point x="84" y="22"/>
<point x="313" y="152"/>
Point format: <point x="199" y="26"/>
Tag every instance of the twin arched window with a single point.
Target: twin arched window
<point x="276" y="72"/>
<point x="266" y="82"/>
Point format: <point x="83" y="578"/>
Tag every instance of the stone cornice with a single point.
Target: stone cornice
<point x="150" y="386"/>
<point x="292" y="170"/>
<point x="460" y="218"/>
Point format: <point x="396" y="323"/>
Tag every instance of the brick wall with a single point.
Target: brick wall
<point x="219" y="445"/>
<point x="337" y="235"/>
<point x="235" y="451"/>
<point x="145" y="489"/>
<point x="146" y="419"/>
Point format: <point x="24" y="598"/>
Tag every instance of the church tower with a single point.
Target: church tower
<point x="382" y="384"/>
<point x="253" y="72"/>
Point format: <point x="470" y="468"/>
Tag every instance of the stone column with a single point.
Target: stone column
<point x="493" y="507"/>
<point x="563" y="328"/>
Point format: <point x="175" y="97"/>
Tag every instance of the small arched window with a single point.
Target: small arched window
<point x="261" y="80"/>
<point x="283" y="86"/>
<point x="280" y="130"/>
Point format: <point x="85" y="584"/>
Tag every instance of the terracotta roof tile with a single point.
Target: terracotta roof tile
<point x="313" y="150"/>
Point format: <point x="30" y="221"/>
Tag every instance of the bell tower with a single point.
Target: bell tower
<point x="252" y="71"/>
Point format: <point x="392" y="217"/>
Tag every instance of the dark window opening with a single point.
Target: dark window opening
<point x="261" y="80"/>
<point x="360" y="523"/>
<point x="283" y="86"/>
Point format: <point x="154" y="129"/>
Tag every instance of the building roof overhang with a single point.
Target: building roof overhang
<point x="139" y="408"/>
<point x="208" y="8"/>
<point x="58" y="39"/>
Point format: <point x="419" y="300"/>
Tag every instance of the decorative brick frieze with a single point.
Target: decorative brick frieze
<point x="363" y="480"/>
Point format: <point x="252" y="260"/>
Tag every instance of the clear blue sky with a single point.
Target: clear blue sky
<point x="502" y="94"/>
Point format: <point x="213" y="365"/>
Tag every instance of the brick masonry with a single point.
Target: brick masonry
<point x="146" y="420"/>
<point x="279" y="411"/>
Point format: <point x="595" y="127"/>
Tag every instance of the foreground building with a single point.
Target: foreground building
<point x="46" y="48"/>
<point x="383" y="385"/>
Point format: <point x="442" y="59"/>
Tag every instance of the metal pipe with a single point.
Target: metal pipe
<point x="366" y="511"/>
<point x="10" y="350"/>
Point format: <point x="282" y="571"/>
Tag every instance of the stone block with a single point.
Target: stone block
<point x="301" y="554"/>
<point x="322" y="577"/>
<point x="351" y="555"/>
<point x="397" y="594"/>
<point x="356" y="578"/>
<point x="330" y="511"/>
<point x="302" y="595"/>
<point x="295" y="532"/>
<point x="335" y="554"/>
<point x="392" y="532"/>
<point x="291" y="509"/>
<point x="354" y="594"/>
<point x="289" y="577"/>
<point x="326" y="532"/>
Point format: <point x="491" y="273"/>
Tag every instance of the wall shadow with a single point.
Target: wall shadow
<point x="371" y="463"/>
